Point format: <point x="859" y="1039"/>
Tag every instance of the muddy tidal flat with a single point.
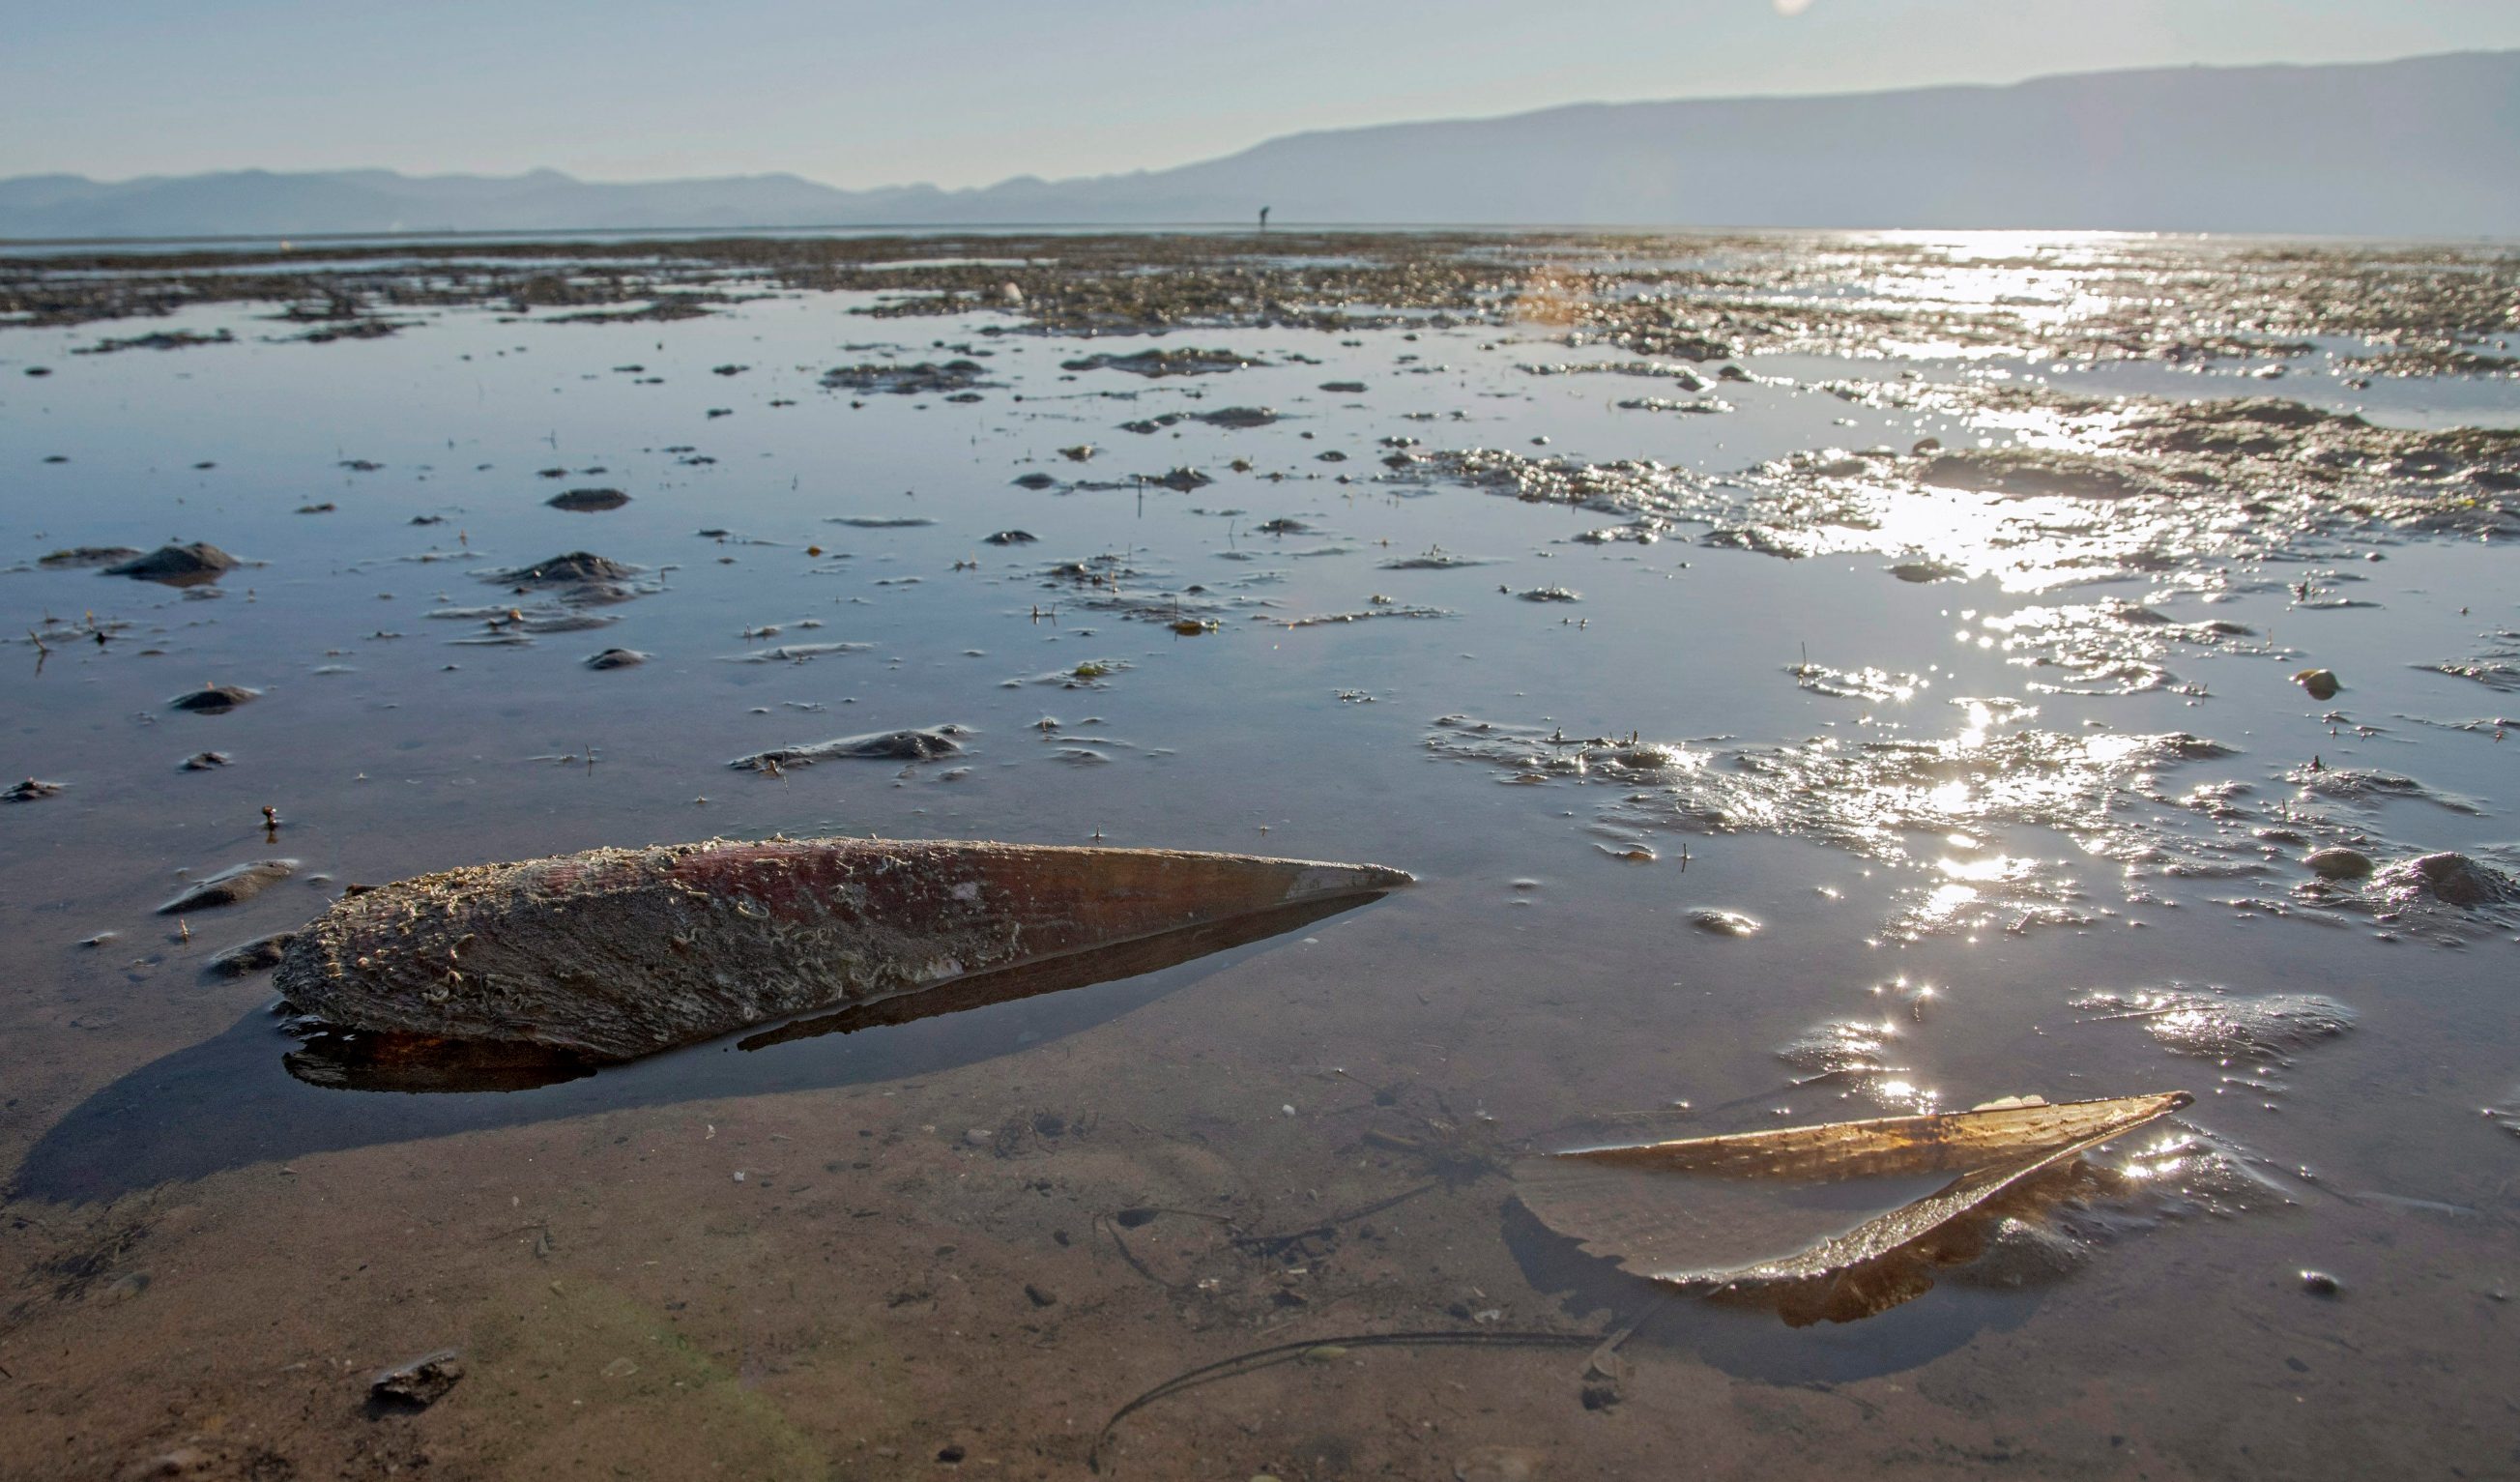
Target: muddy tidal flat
<point x="1811" y="677"/>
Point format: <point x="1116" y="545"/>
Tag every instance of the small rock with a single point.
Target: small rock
<point x="204" y="762"/>
<point x="617" y="659"/>
<point x="980" y="1136"/>
<point x="1723" y="923"/>
<point x="2319" y="1284"/>
<point x="231" y="886"/>
<point x="2338" y="863"/>
<point x="213" y="700"/>
<point x="2320" y="683"/>
<point x="1040" y="1296"/>
<point x="31" y="789"/>
<point x="420" y="1383"/>
<point x="1013" y="538"/>
<point x="248" y="958"/>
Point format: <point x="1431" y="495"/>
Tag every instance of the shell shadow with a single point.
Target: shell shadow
<point x="1856" y="1329"/>
<point x="257" y="1093"/>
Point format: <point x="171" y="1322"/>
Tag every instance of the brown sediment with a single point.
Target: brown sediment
<point x="619" y="953"/>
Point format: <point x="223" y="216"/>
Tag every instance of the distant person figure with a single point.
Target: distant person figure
<point x="1264" y="218"/>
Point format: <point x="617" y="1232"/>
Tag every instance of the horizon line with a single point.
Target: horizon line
<point x="1299" y="133"/>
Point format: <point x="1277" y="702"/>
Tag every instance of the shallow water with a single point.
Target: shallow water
<point x="1981" y="823"/>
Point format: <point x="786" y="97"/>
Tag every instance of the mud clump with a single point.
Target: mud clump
<point x="2450" y="878"/>
<point x="1154" y="365"/>
<point x="923" y="379"/>
<point x="587" y="501"/>
<point x="85" y="555"/>
<point x="162" y="340"/>
<point x="2212" y="1024"/>
<point x="249" y="958"/>
<point x="2010" y="471"/>
<point x="915" y="745"/>
<point x="797" y="653"/>
<point x="177" y="565"/>
<point x="232" y="886"/>
<point x="213" y="700"/>
<point x="575" y="569"/>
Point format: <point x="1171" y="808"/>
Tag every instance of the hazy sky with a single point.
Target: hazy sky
<point x="967" y="91"/>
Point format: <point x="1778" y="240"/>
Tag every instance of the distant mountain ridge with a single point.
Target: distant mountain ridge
<point x="2429" y="146"/>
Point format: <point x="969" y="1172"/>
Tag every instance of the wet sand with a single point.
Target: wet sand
<point x="1997" y="743"/>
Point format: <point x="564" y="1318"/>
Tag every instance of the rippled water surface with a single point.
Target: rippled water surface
<point x="1919" y="723"/>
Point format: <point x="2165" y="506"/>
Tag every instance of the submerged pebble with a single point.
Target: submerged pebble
<point x="232" y="886"/>
<point x="1723" y="923"/>
<point x="248" y="958"/>
<point x="875" y="745"/>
